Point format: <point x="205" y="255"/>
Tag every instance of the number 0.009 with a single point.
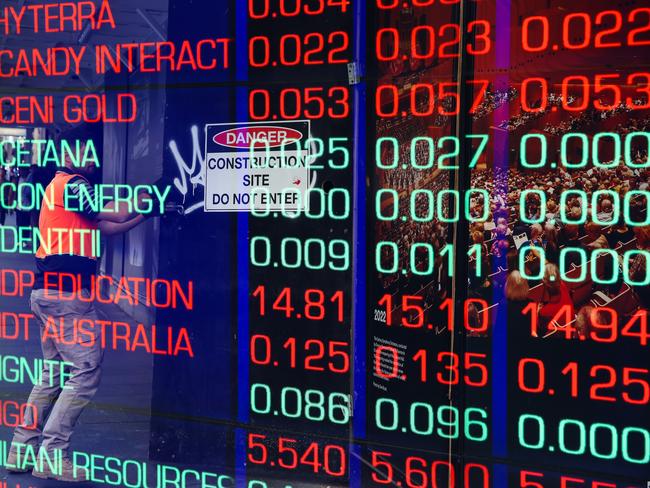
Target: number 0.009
<point x="314" y="254"/>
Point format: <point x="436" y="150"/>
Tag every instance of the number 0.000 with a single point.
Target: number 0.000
<point x="574" y="437"/>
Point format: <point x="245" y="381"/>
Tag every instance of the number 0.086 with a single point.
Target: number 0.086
<point x="314" y="254"/>
<point x="424" y="419"/>
<point x="294" y="403"/>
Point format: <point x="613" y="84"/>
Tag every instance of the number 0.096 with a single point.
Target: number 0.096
<point x="424" y="419"/>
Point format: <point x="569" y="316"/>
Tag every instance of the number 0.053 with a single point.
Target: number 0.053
<point x="300" y="103"/>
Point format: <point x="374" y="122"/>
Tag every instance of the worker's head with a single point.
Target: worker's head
<point x="84" y="142"/>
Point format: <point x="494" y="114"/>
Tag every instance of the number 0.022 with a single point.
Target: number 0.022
<point x="311" y="49"/>
<point x="294" y="403"/>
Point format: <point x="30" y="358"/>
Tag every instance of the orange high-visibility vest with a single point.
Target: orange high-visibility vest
<point x="55" y="216"/>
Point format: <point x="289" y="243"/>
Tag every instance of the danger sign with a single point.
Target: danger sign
<point x="256" y="165"/>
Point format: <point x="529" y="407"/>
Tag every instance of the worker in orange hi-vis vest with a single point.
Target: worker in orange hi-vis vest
<point x="69" y="244"/>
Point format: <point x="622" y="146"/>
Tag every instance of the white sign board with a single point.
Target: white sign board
<point x="261" y="165"/>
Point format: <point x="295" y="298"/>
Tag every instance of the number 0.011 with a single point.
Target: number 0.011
<point x="421" y="258"/>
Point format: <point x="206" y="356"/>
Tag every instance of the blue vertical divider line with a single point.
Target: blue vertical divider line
<point x="500" y="336"/>
<point x="241" y="75"/>
<point x="359" y="236"/>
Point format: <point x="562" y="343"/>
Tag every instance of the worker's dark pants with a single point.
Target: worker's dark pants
<point x="59" y="408"/>
<point x="22" y="218"/>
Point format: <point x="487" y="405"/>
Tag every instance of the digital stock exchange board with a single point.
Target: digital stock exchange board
<point x="325" y="243"/>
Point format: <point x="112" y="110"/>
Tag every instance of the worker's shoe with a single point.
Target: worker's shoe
<point x="68" y="472"/>
<point x="14" y="464"/>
